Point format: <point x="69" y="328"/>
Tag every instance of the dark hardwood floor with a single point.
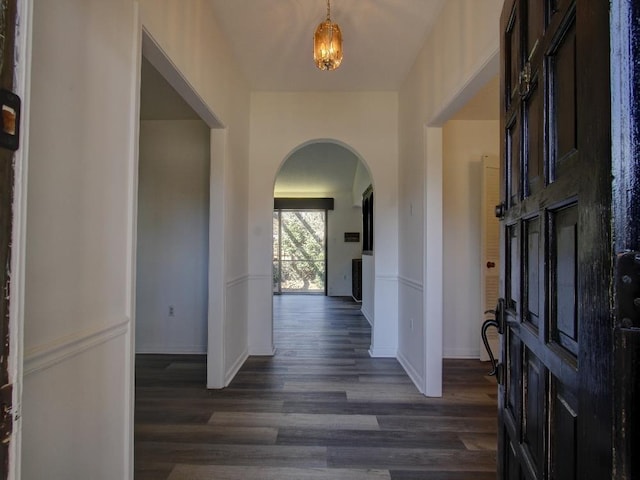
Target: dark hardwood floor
<point x="320" y="409"/>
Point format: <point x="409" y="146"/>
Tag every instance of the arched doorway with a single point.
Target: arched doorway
<point x="318" y="233"/>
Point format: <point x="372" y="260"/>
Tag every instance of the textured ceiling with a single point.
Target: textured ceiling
<point x="272" y="41"/>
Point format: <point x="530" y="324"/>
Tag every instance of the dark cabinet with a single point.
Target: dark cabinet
<point x="367" y="220"/>
<point x="356" y="279"/>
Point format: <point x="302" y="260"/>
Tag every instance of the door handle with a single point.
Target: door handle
<point x="491" y="265"/>
<point x="492" y="322"/>
<point x="498" y="322"/>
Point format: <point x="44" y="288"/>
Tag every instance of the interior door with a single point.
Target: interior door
<point x="7" y="132"/>
<point x="555" y="393"/>
<point x="489" y="247"/>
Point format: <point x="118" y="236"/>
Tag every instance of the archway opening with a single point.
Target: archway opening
<point x="318" y="226"/>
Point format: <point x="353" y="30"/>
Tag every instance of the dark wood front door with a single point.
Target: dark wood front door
<point x="7" y="41"/>
<point x="555" y="395"/>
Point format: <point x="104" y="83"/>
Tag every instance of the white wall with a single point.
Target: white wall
<point x="173" y="237"/>
<point x="80" y="247"/>
<point x="367" y="124"/>
<point x="344" y="218"/>
<point x="464" y="142"/>
<point x="203" y="58"/>
<point x="460" y="54"/>
<point x="77" y="406"/>
<point x="368" y="288"/>
<point x="361" y="182"/>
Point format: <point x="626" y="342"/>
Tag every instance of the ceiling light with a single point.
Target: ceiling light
<point x="327" y="44"/>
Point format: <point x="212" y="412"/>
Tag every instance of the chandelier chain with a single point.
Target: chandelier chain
<point x="329" y="10"/>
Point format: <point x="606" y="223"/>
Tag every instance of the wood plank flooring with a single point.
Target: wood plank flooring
<point x="320" y="409"/>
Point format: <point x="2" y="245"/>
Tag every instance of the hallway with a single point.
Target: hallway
<point x="321" y="408"/>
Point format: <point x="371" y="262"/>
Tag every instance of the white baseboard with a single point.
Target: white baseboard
<point x="415" y="377"/>
<point x="461" y="353"/>
<point x="181" y="350"/>
<point x="235" y="368"/>
<point x="366" y="315"/>
<point x="262" y="351"/>
<point x="383" y="352"/>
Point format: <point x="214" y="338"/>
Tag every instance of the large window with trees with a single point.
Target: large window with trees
<point x="299" y="251"/>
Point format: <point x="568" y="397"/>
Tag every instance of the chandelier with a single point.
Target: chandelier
<point x="327" y="44"/>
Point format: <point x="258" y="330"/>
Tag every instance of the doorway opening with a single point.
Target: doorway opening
<point x="299" y="251"/>
<point x="471" y="170"/>
<point x="173" y="221"/>
<point x="317" y="247"/>
<point x="178" y="282"/>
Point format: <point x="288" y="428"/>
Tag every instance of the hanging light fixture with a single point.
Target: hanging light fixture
<point x="327" y="44"/>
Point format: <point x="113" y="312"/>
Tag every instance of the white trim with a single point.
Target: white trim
<point x="433" y="264"/>
<point x="473" y="353"/>
<point x="157" y="57"/>
<point x="387" y="277"/>
<point x="237" y="281"/>
<point x="262" y="351"/>
<point x="235" y="368"/>
<point x="173" y="350"/>
<point x="415" y="377"/>
<point x="407" y="282"/>
<point x="132" y="251"/>
<point x="217" y="301"/>
<point x="366" y="314"/>
<point x="259" y="277"/>
<point x="384" y="335"/>
<point x="383" y="352"/>
<point x="24" y="29"/>
<point x="260" y="319"/>
<point x="51" y="353"/>
<point x="485" y="69"/>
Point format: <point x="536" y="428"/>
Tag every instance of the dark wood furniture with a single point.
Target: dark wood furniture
<point x="356" y="279"/>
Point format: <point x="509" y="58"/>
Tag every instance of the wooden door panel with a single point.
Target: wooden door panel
<point x="561" y="63"/>
<point x="512" y="54"/>
<point x="564" y="246"/>
<point x="513" y="386"/>
<point x="534" y="273"/>
<point x="512" y="467"/>
<point x="513" y="268"/>
<point x="553" y="240"/>
<point x="564" y="422"/>
<point x="534" y="148"/>
<point x="513" y="160"/>
<point x="534" y="412"/>
<point x="535" y="26"/>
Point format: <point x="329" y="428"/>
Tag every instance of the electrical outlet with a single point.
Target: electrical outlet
<point x="172" y="312"/>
